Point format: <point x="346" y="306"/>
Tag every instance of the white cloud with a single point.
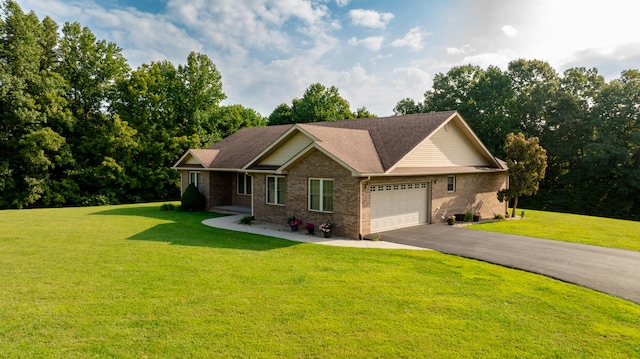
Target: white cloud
<point x="372" y="43"/>
<point x="342" y="3"/>
<point x="412" y="39"/>
<point x="370" y="18"/>
<point x="465" y="49"/>
<point x="509" y="31"/>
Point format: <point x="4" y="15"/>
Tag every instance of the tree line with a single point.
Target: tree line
<point x="589" y="127"/>
<point x="78" y="126"/>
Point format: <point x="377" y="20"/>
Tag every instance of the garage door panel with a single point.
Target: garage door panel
<point x="398" y="206"/>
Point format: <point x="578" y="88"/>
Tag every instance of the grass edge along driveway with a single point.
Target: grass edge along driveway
<point x="606" y="232"/>
<point x="132" y="281"/>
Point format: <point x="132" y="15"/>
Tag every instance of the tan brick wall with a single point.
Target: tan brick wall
<point x="263" y="211"/>
<point x="236" y="198"/>
<point x="345" y="213"/>
<point x="473" y="193"/>
<point x="219" y="185"/>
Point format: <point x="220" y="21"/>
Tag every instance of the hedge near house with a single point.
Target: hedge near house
<point x="192" y="199"/>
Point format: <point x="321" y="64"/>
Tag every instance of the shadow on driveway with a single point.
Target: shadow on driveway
<point x="608" y="270"/>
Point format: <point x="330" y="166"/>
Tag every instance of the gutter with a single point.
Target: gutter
<point x="360" y="207"/>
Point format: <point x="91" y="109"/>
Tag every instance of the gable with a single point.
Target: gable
<point x="287" y="149"/>
<point x="448" y="146"/>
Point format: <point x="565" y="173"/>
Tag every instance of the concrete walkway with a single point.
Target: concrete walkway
<point x="230" y="222"/>
<point x="608" y="270"/>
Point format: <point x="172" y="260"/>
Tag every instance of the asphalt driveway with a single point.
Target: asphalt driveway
<point x="608" y="270"/>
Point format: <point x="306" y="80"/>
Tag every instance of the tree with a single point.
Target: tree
<point x="281" y="115"/>
<point x="527" y="162"/>
<point x="229" y="119"/>
<point x="535" y="84"/>
<point x="362" y="112"/>
<point x="407" y="106"/>
<point x="319" y="104"/>
<point x="99" y="143"/>
<point x="32" y="106"/>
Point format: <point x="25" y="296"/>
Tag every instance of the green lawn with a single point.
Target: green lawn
<point x="571" y="228"/>
<point x="135" y="282"/>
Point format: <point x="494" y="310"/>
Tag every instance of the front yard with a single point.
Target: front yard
<point x="133" y="281"/>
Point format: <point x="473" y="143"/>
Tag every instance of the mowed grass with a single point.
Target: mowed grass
<point x="135" y="282"/>
<point x="566" y="227"/>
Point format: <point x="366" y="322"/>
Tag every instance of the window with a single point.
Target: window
<point x="321" y="194"/>
<point x="196" y="179"/>
<point x="275" y="189"/>
<point x="451" y="184"/>
<point x="244" y="183"/>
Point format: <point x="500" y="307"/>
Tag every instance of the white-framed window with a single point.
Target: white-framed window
<point x="321" y="194"/>
<point x="244" y="183"/>
<point x="451" y="183"/>
<point x="195" y="177"/>
<point x="275" y="190"/>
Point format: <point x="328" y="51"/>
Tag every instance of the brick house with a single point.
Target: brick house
<point x="364" y="175"/>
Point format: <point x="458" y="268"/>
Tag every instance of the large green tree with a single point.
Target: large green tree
<point x="172" y="109"/>
<point x="32" y="105"/>
<point x="527" y="162"/>
<point x="99" y="143"/>
<point x="320" y="103"/>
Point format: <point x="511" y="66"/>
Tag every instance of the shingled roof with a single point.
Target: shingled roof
<point x="371" y="145"/>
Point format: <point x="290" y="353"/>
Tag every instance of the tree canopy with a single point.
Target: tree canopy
<point x="527" y="162"/>
<point x="79" y="127"/>
<point x="318" y="104"/>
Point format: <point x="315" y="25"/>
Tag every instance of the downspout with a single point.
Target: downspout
<point x="361" y="190"/>
<point x="247" y="174"/>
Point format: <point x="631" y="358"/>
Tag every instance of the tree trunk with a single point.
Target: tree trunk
<point x="515" y="205"/>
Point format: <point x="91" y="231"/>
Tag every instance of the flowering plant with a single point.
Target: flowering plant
<point x="326" y="227"/>
<point x="293" y="221"/>
<point x="309" y="226"/>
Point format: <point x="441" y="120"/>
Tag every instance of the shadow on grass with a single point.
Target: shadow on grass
<point x="185" y="229"/>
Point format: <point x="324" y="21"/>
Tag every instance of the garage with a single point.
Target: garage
<point x="396" y="206"/>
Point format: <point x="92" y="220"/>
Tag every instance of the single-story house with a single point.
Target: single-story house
<point x="364" y="175"/>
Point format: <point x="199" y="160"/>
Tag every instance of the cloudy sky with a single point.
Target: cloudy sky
<point x="376" y="52"/>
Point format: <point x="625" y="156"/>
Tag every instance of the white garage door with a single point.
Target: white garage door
<point x="398" y="205"/>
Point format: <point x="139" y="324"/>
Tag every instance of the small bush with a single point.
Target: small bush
<point x="498" y="216"/>
<point x="246" y="220"/>
<point x="468" y="217"/>
<point x="192" y="199"/>
<point x="167" y="207"/>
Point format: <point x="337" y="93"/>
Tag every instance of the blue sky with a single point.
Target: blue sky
<point x="376" y="52"/>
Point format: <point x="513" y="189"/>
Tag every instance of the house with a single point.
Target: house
<point x="364" y="175"/>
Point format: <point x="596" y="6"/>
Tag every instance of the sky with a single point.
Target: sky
<point x="375" y="52"/>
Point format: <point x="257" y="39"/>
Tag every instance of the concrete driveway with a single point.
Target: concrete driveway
<point x="608" y="270"/>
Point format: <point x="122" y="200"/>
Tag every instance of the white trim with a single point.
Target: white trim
<point x="198" y="181"/>
<point x="315" y="146"/>
<point x="277" y="197"/>
<point x="321" y="194"/>
<point x="246" y="175"/>
<point x="277" y="142"/>
<point x="453" y="184"/>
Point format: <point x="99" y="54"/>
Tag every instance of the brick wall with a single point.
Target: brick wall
<point x="473" y="193"/>
<point x="219" y="187"/>
<point x="345" y="213"/>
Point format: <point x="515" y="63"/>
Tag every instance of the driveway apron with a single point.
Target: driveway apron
<point x="608" y="270"/>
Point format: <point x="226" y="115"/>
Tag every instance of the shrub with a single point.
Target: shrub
<point x="246" y="220"/>
<point x="167" y="207"/>
<point x="192" y="199"/>
<point x="498" y="216"/>
<point x="468" y="217"/>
